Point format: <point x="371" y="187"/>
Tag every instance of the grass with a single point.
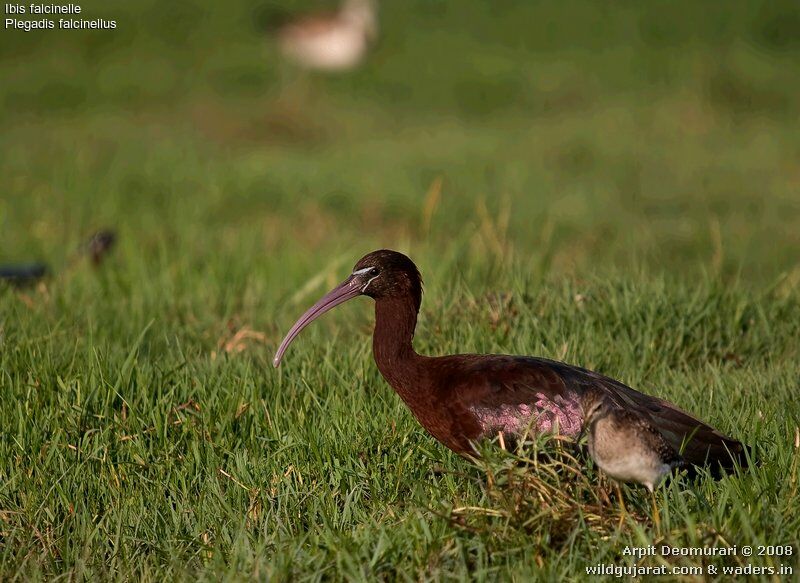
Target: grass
<point x="614" y="187"/>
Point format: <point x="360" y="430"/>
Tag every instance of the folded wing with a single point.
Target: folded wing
<point x="500" y="390"/>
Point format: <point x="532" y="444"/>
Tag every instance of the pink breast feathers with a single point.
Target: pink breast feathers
<point x="545" y="415"/>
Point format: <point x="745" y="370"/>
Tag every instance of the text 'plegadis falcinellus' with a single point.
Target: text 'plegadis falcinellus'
<point x="467" y="397"/>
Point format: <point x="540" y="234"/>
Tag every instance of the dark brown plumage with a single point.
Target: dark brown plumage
<point x="463" y="398"/>
<point x="100" y="243"/>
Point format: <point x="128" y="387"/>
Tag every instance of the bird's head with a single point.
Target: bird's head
<point x="382" y="274"/>
<point x="388" y="274"/>
<point x="594" y="404"/>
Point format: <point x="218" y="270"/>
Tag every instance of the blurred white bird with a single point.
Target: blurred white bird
<point x="331" y="42"/>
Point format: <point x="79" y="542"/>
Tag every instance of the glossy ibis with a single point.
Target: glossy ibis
<point x="626" y="446"/>
<point x="467" y="397"/>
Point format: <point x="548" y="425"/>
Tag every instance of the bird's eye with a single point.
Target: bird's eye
<point x="374" y="271"/>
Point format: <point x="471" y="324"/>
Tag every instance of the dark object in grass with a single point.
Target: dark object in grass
<point x="23" y="275"/>
<point x="96" y="248"/>
<point x="468" y="397"/>
<point x="99" y="244"/>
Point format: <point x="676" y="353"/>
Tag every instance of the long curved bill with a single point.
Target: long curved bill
<point x="348" y="289"/>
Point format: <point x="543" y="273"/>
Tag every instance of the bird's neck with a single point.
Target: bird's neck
<point x="395" y="321"/>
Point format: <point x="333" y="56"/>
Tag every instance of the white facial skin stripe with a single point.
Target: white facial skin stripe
<point x="362" y="272"/>
<point x="363" y="289"/>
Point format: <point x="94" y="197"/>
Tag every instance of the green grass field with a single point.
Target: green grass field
<point x="612" y="185"/>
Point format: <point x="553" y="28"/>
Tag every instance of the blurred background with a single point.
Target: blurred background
<point x="571" y="136"/>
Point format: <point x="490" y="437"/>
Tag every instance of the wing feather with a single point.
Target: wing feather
<point x="550" y="388"/>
